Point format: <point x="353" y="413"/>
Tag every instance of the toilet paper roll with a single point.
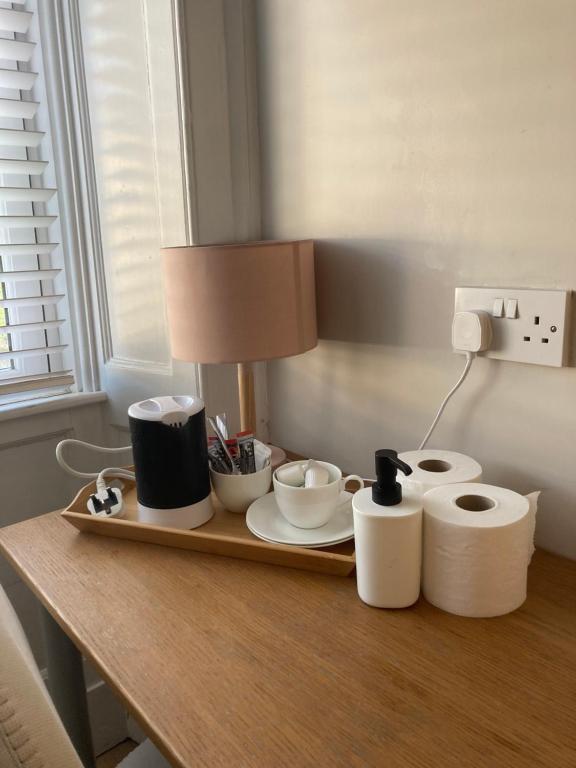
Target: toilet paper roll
<point x="432" y="468"/>
<point x="478" y="541"/>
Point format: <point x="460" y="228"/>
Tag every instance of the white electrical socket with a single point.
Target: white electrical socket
<point x="528" y="326"/>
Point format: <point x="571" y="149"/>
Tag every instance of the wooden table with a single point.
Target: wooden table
<point x="231" y="663"/>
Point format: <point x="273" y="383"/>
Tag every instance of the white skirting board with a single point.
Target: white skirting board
<point x="108" y="719"/>
<point x="134" y="731"/>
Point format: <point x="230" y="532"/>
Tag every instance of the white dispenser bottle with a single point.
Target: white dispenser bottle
<point x="388" y="535"/>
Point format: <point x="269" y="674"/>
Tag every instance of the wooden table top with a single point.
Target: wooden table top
<point x="231" y="663"/>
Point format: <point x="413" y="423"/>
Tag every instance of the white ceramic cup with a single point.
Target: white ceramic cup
<point x="312" y="507"/>
<point x="237" y="492"/>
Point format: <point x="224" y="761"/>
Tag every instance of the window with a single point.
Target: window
<point x="34" y="354"/>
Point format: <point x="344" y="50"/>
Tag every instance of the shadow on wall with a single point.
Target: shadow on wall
<point x="395" y="293"/>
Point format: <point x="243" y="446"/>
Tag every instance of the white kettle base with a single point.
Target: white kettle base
<point x="181" y="517"/>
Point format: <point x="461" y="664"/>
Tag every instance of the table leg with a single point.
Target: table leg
<point x="68" y="688"/>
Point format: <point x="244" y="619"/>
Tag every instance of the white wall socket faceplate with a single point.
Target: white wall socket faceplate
<point x="528" y="326"/>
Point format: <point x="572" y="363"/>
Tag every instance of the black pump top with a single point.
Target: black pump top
<point x="386" y="491"/>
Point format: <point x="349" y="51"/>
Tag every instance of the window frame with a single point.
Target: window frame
<point x="224" y="89"/>
<point x="50" y="374"/>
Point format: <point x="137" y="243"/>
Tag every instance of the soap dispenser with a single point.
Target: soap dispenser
<point x="388" y="535"/>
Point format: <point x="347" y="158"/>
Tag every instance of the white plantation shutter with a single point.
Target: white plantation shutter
<point x="32" y="288"/>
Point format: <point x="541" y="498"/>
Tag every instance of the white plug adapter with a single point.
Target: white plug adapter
<point x="471" y="331"/>
<point x="106" y="502"/>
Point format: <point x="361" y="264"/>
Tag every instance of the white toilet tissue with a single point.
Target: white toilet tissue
<point x="478" y="541"/>
<point x="432" y="468"/>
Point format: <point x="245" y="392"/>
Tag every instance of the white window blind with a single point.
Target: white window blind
<point x="33" y="351"/>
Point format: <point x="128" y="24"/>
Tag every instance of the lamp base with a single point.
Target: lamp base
<point x="248" y="410"/>
<point x="247" y="397"/>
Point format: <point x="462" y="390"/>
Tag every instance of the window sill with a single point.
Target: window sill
<point x="49" y="404"/>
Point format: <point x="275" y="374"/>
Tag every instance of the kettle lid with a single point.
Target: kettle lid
<point x="166" y="408"/>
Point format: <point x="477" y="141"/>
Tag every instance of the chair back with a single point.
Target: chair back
<point x="31" y="734"/>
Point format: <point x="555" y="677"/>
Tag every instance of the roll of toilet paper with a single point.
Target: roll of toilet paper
<point x="431" y="468"/>
<point x="477" y="544"/>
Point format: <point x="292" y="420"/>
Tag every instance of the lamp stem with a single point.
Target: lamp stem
<point x="247" y="399"/>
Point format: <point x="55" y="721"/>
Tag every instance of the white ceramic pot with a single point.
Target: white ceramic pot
<point x="237" y="492"/>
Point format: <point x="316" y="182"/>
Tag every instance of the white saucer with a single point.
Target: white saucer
<point x="308" y="546"/>
<point x="266" y="521"/>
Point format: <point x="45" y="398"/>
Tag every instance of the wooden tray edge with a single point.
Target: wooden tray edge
<point x="256" y="550"/>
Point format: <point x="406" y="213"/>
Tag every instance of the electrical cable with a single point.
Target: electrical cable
<point x="117" y="472"/>
<point x="469" y="360"/>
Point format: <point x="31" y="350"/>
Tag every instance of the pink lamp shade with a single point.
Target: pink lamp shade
<point x="240" y="302"/>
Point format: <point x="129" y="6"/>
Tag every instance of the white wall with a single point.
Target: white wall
<point x="424" y="146"/>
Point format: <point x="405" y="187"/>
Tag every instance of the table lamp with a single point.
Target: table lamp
<point x="241" y="303"/>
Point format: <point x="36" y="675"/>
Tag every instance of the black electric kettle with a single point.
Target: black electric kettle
<point x="171" y="461"/>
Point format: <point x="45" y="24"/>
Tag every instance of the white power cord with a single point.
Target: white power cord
<point x="469" y="360"/>
<point x="471" y="333"/>
<point x="119" y="472"/>
<point x="106" y="502"/>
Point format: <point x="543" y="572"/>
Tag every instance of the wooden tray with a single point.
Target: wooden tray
<point x="225" y="534"/>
